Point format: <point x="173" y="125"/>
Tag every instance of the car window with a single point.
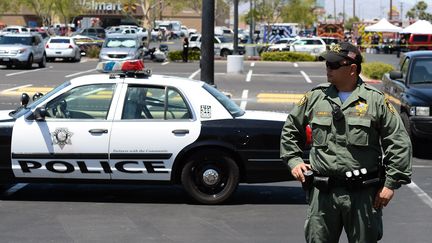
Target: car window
<point x="148" y="102"/>
<point x="422" y="71"/>
<point x="83" y="102"/>
<point x="193" y="38"/>
<point x="226" y="102"/>
<point x="16" y="40"/>
<point x="60" y="41"/>
<point x="120" y="43"/>
<point x="405" y="66"/>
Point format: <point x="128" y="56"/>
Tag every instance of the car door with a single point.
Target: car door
<point x="72" y="141"/>
<point x="154" y="124"/>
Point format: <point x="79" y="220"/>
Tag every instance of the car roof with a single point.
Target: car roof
<point x="418" y="53"/>
<point x="117" y="35"/>
<point x="23" y="34"/>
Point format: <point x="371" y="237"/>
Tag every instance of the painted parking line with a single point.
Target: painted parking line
<point x="249" y="76"/>
<point x="278" y="98"/>
<point x="29" y="89"/>
<point x="165" y="63"/>
<point x="295" y="64"/>
<point x="306" y="77"/>
<point x="23" y="72"/>
<point x="194" y="74"/>
<point x="79" y="73"/>
<point x="421" y="194"/>
<point x="244" y="97"/>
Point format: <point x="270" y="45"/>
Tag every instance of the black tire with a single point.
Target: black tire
<point x="225" y="53"/>
<point x="42" y="63"/>
<point x="29" y="62"/>
<point x="195" y="49"/>
<point x="78" y="59"/>
<point x="212" y="190"/>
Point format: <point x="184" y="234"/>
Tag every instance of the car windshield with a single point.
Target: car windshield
<point x="120" y="43"/>
<point x="16" y="40"/>
<point x="422" y="71"/>
<point x="231" y="107"/>
<point x="21" y="110"/>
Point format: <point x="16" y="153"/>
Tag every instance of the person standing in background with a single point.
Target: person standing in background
<point x="185" y="49"/>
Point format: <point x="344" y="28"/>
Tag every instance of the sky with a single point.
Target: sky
<point x="370" y="9"/>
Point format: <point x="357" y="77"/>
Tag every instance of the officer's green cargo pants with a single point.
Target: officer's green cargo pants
<point x="329" y="212"/>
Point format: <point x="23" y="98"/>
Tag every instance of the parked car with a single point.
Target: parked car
<point x="410" y="90"/>
<point x="121" y="47"/>
<point x="281" y="45"/>
<point x="128" y="126"/>
<point x="329" y="41"/>
<point x="16" y="29"/>
<point x="223" y="45"/>
<point x="22" y="49"/>
<point x="62" y="47"/>
<point x="313" y="45"/>
<point x="93" y="32"/>
<point x="419" y="42"/>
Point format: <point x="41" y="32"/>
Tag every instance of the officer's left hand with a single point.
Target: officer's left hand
<point x="383" y="197"/>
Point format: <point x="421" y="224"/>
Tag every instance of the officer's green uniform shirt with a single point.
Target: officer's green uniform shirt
<point x="370" y="122"/>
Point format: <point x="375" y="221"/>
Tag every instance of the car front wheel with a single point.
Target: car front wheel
<point x="29" y="62"/>
<point x="210" y="176"/>
<point x="42" y="63"/>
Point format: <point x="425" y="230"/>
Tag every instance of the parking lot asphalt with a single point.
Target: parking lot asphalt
<point x="272" y="212"/>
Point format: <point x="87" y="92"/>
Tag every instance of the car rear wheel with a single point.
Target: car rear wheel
<point x="210" y="176"/>
<point x="78" y="57"/>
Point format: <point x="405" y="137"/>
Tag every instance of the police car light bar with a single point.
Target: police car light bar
<point x="129" y="67"/>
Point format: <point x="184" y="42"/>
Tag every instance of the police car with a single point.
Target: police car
<point x="131" y="126"/>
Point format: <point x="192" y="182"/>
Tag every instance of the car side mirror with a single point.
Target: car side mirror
<point x="396" y="75"/>
<point x="39" y="114"/>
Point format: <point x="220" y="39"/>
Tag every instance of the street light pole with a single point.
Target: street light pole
<point x="207" y="44"/>
<point x="236" y="27"/>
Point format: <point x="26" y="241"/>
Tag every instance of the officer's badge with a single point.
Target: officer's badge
<point x="61" y="137"/>
<point x="361" y="107"/>
<point x="302" y="101"/>
<point x="390" y="106"/>
<point x="335" y="48"/>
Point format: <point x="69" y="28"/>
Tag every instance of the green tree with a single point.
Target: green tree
<point x="349" y="23"/>
<point x="67" y="10"/>
<point x="42" y="8"/>
<point x="419" y="12"/>
<point x="299" y="11"/>
<point x="6" y="6"/>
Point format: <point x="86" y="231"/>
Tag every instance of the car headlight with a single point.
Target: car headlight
<point x="419" y="111"/>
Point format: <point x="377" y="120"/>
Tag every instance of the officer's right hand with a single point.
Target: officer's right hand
<point x="298" y="170"/>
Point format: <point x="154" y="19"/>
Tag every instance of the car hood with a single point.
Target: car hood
<point x="130" y="51"/>
<point x="421" y="91"/>
<point x="264" y="115"/>
<point x="4" y="115"/>
<point x="13" y="47"/>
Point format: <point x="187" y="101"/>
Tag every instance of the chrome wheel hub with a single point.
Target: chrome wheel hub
<point x="210" y="177"/>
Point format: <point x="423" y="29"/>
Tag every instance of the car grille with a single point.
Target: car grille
<point x="117" y="55"/>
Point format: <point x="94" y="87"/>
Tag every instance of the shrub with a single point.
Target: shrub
<point x="177" y="55"/>
<point x="93" y="52"/>
<point x="376" y="70"/>
<point x="287" y="56"/>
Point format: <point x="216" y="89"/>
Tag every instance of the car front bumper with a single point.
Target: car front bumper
<point x="421" y="127"/>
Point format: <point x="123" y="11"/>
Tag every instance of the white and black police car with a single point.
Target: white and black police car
<point x="131" y="126"/>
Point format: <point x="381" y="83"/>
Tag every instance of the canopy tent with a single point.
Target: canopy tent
<point x="383" y="26"/>
<point x="419" y="27"/>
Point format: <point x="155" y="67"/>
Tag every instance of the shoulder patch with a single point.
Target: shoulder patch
<point x="389" y="106"/>
<point x="303" y="100"/>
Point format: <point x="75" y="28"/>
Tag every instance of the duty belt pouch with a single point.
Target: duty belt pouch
<point x="322" y="183"/>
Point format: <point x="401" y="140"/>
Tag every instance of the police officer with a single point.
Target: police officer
<point x="353" y="127"/>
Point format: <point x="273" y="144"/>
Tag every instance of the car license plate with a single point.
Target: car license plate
<point x="58" y="52"/>
<point x="6" y="59"/>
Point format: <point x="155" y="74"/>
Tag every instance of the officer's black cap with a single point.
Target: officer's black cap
<point x="342" y="51"/>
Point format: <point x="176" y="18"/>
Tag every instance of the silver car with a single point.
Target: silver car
<point x="22" y="49"/>
<point x="121" y="47"/>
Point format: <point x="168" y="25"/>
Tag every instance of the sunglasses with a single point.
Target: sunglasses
<point x="336" y="65"/>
